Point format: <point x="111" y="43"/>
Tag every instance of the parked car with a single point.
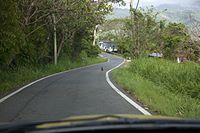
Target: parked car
<point x="158" y="55"/>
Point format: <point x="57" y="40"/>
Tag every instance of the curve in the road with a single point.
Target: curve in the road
<point x="24" y="87"/>
<point x="134" y="104"/>
<point x="81" y="91"/>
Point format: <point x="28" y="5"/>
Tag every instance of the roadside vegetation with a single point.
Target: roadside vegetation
<point x="30" y="28"/>
<point x="162" y="84"/>
<point x="14" y="79"/>
<point x="144" y="33"/>
<point x="168" y="88"/>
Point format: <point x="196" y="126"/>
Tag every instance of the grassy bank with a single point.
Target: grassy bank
<point x="10" y="80"/>
<point x="164" y="86"/>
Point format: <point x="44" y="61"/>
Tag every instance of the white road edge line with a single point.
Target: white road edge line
<point x="138" y="107"/>
<point x="55" y="74"/>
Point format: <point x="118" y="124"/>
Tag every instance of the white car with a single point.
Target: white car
<point x="159" y="55"/>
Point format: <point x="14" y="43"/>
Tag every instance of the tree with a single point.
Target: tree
<point x="151" y="35"/>
<point x="27" y="28"/>
<point x="176" y="39"/>
<point x="10" y="32"/>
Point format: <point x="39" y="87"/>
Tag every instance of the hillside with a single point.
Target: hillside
<point x="188" y="15"/>
<point x="174" y="13"/>
<point x="118" y="13"/>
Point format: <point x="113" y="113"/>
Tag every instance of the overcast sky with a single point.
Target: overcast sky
<point x="145" y="3"/>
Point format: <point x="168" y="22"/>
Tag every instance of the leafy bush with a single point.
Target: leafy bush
<point x="83" y="56"/>
<point x="93" y="51"/>
<point x="127" y="55"/>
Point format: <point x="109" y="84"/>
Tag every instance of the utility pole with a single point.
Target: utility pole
<point x="131" y="5"/>
<point x="132" y="15"/>
<point x="134" y="23"/>
<point x="95" y="35"/>
<point x="132" y="26"/>
<point x="55" y="39"/>
<point x="95" y="30"/>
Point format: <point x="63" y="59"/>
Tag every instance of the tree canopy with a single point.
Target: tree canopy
<point x="26" y="29"/>
<point x="145" y="33"/>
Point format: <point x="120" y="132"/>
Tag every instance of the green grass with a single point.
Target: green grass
<point x="166" y="87"/>
<point x="10" y="80"/>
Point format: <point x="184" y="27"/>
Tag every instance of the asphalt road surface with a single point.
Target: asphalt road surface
<point x="78" y="92"/>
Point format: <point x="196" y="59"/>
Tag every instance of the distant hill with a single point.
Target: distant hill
<point x="174" y="13"/>
<point x="187" y="15"/>
<point x="177" y="13"/>
<point x="169" y="7"/>
<point x="118" y="13"/>
<point x="193" y="7"/>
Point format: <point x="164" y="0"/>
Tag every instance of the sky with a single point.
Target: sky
<point x="144" y="3"/>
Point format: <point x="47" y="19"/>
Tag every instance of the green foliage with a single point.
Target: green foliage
<point x="166" y="87"/>
<point x="157" y="98"/>
<point x="178" y="78"/>
<point x="83" y="55"/>
<point x="92" y="51"/>
<point x="24" y="74"/>
<point x="10" y="32"/>
<point x="142" y="34"/>
<point x="27" y="29"/>
<point x="175" y="37"/>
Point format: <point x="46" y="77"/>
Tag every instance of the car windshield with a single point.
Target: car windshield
<point x="71" y="58"/>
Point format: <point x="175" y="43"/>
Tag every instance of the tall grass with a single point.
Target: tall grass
<point x="166" y="87"/>
<point x="12" y="79"/>
<point x="178" y="78"/>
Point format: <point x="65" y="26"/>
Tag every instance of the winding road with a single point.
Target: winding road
<point x="83" y="91"/>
